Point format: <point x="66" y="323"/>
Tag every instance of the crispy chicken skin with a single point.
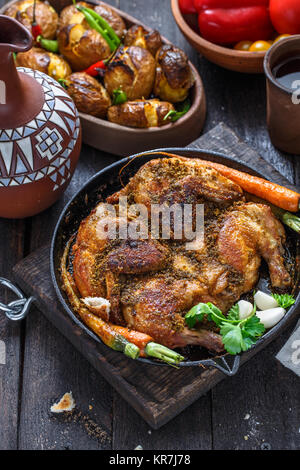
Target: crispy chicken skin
<point x="175" y="180"/>
<point x="151" y="284"/>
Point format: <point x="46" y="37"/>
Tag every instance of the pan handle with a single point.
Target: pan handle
<point x="223" y="365"/>
<point x="17" y="309"/>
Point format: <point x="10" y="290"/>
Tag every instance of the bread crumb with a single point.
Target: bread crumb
<point x="90" y="407"/>
<point x="66" y="403"/>
<point x="246" y="438"/>
<point x="247" y="416"/>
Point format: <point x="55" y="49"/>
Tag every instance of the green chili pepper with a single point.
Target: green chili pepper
<point x="119" y="96"/>
<point x="63" y="82"/>
<point x="94" y="25"/>
<point x="99" y="24"/>
<point x="181" y="110"/>
<point x="50" y="45"/>
<point x="104" y="25"/>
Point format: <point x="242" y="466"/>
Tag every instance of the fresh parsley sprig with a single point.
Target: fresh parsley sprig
<point x="237" y="335"/>
<point x="181" y="110"/>
<point x="284" y="300"/>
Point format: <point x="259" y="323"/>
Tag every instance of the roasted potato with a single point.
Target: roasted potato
<point x="82" y="46"/>
<point x="46" y="16"/>
<point x="88" y="94"/>
<point x="70" y="15"/>
<point x="140" y="113"/>
<point x="174" y="77"/>
<point x="44" y="61"/>
<point x="138" y="36"/>
<point x="133" y="71"/>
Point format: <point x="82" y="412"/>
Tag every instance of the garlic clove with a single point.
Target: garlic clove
<point x="264" y="301"/>
<point x="245" y="309"/>
<point x="271" y="317"/>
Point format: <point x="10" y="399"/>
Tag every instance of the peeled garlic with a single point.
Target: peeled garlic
<point x="271" y="317"/>
<point x="264" y="301"/>
<point x="245" y="309"/>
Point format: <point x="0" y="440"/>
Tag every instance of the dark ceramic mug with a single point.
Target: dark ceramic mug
<point x="283" y="104"/>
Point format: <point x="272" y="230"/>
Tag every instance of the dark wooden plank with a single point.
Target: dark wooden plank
<point x="157" y="398"/>
<point x="48" y="356"/>
<point x="197" y="434"/>
<point x="158" y="394"/>
<point x="12" y="250"/>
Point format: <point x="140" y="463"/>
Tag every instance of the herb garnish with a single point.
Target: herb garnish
<point x="284" y="300"/>
<point x="237" y="335"/>
<point x="181" y="110"/>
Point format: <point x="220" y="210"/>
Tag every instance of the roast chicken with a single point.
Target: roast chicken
<point x="151" y="283"/>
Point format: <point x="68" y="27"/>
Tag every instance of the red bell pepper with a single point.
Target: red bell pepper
<point x="187" y="7"/>
<point x="231" y="21"/>
<point x="93" y="70"/>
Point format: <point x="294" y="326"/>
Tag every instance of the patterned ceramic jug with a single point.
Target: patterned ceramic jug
<point x="40" y="134"/>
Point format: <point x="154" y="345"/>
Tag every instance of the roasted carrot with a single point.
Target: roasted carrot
<point x="139" y="339"/>
<point x="109" y="334"/>
<point x="132" y="343"/>
<point x="142" y="341"/>
<point x="278" y="195"/>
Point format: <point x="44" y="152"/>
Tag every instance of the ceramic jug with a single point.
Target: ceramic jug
<point x="40" y="133"/>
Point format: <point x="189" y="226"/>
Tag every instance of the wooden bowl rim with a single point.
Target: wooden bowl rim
<point x="199" y="99"/>
<point x="225" y="51"/>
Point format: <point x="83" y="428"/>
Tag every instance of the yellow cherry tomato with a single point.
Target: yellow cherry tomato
<point x="282" y="36"/>
<point x="260" y="46"/>
<point x="243" y="46"/>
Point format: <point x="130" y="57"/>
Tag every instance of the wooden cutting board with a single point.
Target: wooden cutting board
<point x="156" y="393"/>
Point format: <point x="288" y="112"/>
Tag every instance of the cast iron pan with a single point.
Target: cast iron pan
<point x="105" y="183"/>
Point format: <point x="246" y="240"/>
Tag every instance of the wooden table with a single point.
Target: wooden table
<point x="258" y="408"/>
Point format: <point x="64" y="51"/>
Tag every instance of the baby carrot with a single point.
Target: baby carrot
<point x="139" y="339"/>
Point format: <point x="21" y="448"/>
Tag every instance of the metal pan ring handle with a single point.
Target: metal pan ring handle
<point x="222" y="364"/>
<point x="17" y="309"/>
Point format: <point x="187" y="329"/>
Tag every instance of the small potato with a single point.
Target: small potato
<point x="138" y="36"/>
<point x="133" y="71"/>
<point x="46" y="16"/>
<point x="173" y="74"/>
<point x="82" y="47"/>
<point x="44" y="61"/>
<point x="88" y="94"/>
<point x="70" y="15"/>
<point x="140" y="113"/>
